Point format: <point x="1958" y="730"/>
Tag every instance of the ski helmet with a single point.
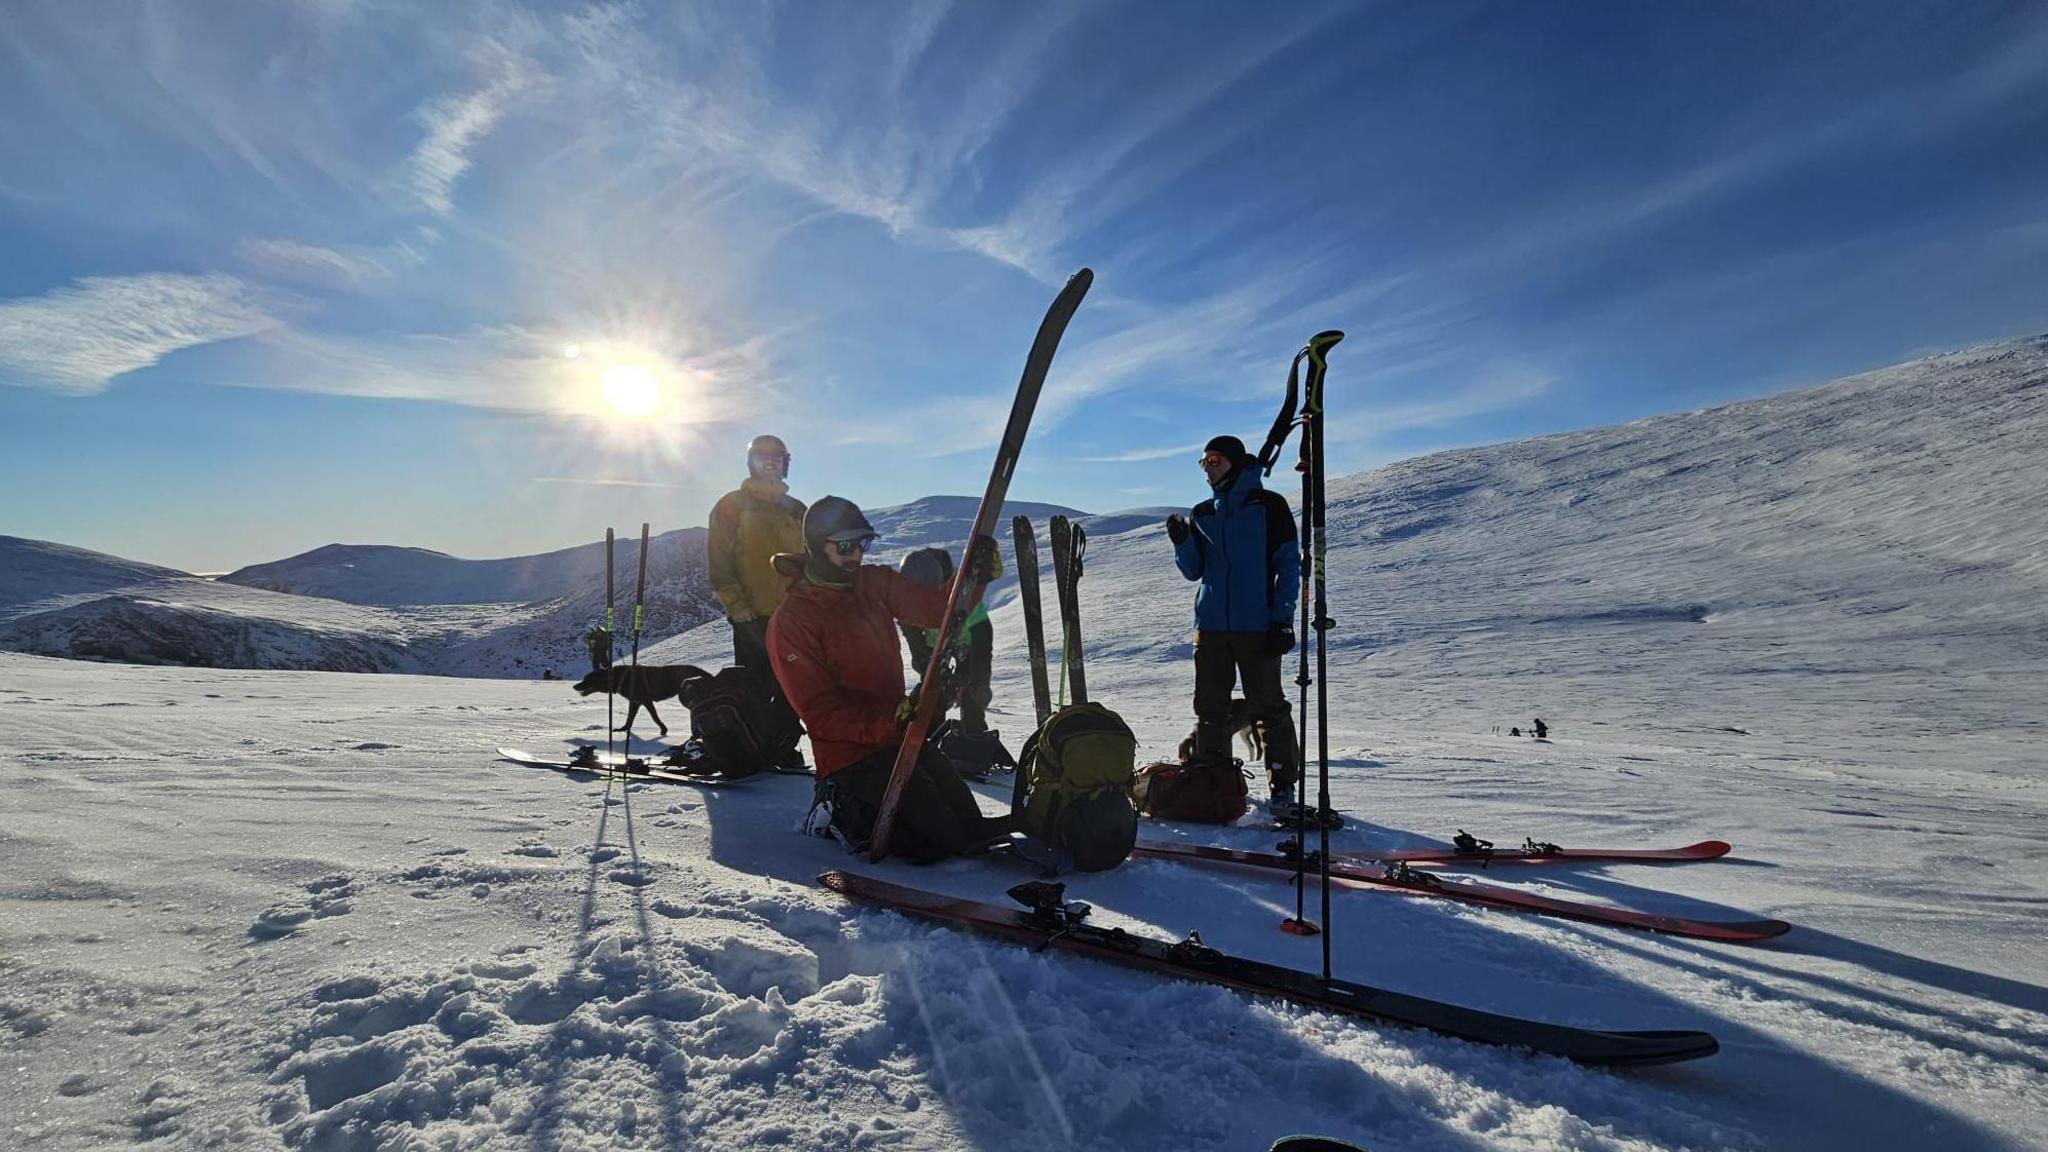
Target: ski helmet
<point x="834" y="518"/>
<point x="767" y="447"/>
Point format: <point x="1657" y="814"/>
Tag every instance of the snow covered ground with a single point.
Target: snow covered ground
<point x="301" y="909"/>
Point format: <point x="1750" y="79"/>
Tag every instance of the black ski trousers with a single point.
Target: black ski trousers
<point x="938" y="817"/>
<point x="976" y="669"/>
<point x="1222" y="660"/>
<point x="750" y="651"/>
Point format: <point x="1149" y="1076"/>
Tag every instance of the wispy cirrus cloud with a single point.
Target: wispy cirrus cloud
<point x="505" y="368"/>
<point x="1191" y="450"/>
<point x="454" y="125"/>
<point x="1502" y="388"/>
<point x="349" y="268"/>
<point x="79" y="338"/>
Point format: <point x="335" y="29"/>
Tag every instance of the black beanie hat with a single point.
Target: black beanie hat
<point x="1229" y="447"/>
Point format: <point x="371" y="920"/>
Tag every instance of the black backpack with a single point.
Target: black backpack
<point x="975" y="757"/>
<point x="728" y="725"/>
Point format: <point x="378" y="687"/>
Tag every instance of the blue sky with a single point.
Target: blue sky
<point x="281" y="274"/>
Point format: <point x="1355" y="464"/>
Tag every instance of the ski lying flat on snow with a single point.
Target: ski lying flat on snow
<point x="617" y="767"/>
<point x="1704" y="850"/>
<point x="1488" y="895"/>
<point x="1194" y="960"/>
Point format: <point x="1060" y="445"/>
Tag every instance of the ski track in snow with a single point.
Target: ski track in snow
<point x="307" y="910"/>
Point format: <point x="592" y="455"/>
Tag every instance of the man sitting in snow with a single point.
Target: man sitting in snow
<point x="833" y="642"/>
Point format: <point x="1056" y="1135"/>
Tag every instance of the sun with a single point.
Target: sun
<point x="631" y="390"/>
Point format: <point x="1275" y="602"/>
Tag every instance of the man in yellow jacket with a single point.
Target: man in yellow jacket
<point x="748" y="527"/>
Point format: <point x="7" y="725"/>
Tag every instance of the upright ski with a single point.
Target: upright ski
<point x="1402" y="877"/>
<point x="964" y="589"/>
<point x="1069" y="541"/>
<point x="1034" y="614"/>
<point x="1050" y="921"/>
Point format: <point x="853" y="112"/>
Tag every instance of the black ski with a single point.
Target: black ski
<point x="1034" y="615"/>
<point x="1068" y="543"/>
<point x="960" y="597"/>
<point x="590" y="762"/>
<point x="1050" y="921"/>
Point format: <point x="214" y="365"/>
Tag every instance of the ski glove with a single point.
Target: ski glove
<point x="1176" y="529"/>
<point x="985" y="560"/>
<point x="1279" y="639"/>
<point x="907" y="707"/>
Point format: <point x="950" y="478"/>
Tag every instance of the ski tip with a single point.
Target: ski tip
<point x="1666" y="1048"/>
<point x="1313" y="1144"/>
<point x="1709" y="849"/>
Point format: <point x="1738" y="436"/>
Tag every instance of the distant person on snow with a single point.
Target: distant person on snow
<point x="1241" y="544"/>
<point x="935" y="566"/>
<point x="1542" y="729"/>
<point x="834" y="646"/>
<point x="749" y="526"/>
<point x="1514" y="731"/>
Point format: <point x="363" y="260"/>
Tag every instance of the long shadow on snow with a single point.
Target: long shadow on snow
<point x="1342" y="1097"/>
<point x="546" y="1116"/>
<point x="1438" y="938"/>
<point x="1844" y="1110"/>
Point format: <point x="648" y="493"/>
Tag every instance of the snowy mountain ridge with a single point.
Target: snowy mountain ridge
<point x="1726" y="533"/>
<point x="378" y="608"/>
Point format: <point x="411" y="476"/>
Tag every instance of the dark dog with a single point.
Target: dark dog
<point x="641" y="687"/>
<point x="1243" y="725"/>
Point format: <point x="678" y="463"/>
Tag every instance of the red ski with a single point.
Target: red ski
<point x="1400" y="876"/>
<point x="1482" y="852"/>
<point x="964" y="590"/>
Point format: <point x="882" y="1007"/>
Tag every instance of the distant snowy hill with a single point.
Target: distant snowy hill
<point x="1685" y="560"/>
<point x="37" y="571"/>
<point x="679" y="598"/>
<point x="371" y="608"/>
<point x="62" y="601"/>
<point x="382" y="574"/>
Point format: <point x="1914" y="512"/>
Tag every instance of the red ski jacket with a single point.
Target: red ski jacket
<point x="838" y="659"/>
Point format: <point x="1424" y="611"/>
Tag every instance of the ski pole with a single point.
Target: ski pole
<point x="1318" y="349"/>
<point x="639" y="599"/>
<point x="610" y="697"/>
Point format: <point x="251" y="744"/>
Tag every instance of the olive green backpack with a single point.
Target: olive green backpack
<point x="1073" y="787"/>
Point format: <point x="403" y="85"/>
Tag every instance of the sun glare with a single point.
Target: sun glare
<point x="631" y="390"/>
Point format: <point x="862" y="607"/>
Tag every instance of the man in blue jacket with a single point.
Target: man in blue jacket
<point x="1242" y="545"/>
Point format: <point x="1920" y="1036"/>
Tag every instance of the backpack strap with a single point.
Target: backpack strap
<point x="1027" y="762"/>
